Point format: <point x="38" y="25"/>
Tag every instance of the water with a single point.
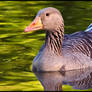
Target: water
<point x="78" y="79"/>
<point x="18" y="49"/>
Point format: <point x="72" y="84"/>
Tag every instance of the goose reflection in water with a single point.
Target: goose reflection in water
<point x="78" y="79"/>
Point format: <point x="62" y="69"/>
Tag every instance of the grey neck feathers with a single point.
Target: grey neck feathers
<point x="53" y="40"/>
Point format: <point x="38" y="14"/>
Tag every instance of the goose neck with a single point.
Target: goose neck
<point x="53" y="41"/>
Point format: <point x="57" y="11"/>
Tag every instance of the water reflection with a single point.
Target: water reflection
<point x="78" y="79"/>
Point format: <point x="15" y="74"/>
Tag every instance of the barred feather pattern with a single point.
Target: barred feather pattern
<point x="54" y="40"/>
<point x="79" y="42"/>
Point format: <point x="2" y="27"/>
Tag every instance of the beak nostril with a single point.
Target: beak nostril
<point x="33" y="24"/>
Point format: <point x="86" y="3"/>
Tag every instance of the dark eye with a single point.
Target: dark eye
<point x="47" y="14"/>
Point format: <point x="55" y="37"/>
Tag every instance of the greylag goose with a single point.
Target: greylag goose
<point x="60" y="52"/>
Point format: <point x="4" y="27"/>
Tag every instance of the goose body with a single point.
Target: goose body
<point x="60" y="52"/>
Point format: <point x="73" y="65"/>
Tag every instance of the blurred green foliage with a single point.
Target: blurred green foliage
<point x="17" y="49"/>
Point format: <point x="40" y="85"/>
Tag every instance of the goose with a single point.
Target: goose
<point x="60" y="52"/>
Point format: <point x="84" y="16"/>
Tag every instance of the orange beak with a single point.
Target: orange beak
<point x="35" y="25"/>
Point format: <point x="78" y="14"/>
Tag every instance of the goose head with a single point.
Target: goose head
<point x="48" y="19"/>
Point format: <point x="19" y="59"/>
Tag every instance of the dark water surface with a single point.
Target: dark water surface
<point x="18" y="49"/>
<point x="78" y="79"/>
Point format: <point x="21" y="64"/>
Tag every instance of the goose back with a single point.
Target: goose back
<point x="78" y="42"/>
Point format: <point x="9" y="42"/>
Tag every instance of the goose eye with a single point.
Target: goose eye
<point x="47" y="14"/>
